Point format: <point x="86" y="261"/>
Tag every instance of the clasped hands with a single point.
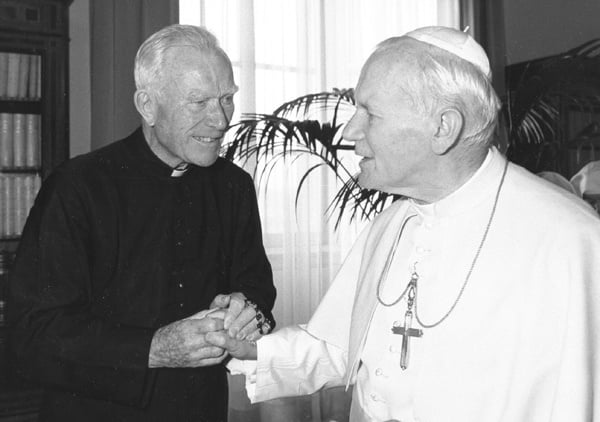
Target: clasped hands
<point x="228" y="327"/>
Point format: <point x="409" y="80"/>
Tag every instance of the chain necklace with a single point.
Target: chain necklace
<point x="412" y="284"/>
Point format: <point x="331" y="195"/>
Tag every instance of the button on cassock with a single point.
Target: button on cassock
<point x="376" y="398"/>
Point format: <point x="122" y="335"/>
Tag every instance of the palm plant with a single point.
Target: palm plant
<point x="308" y="125"/>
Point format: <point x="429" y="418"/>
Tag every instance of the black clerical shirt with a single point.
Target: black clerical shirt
<point x="113" y="249"/>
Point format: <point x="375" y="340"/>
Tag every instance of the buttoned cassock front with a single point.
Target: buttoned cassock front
<point x="522" y="343"/>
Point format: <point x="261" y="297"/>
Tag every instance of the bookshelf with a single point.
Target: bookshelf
<point x="34" y="139"/>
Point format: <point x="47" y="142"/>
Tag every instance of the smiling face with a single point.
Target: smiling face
<point x="390" y="132"/>
<point x="189" y="115"/>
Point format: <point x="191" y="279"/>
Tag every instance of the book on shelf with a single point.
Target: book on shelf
<point x="23" y="76"/>
<point x="34" y="75"/>
<point x="20" y="140"/>
<point x="20" y="214"/>
<point x="3" y="73"/>
<point x="20" y="76"/>
<point x="5" y="206"/>
<point x="12" y="82"/>
<point x="17" y="195"/>
<point x="19" y="145"/>
<point x="38" y="77"/>
<point x="6" y="140"/>
<point x="32" y="140"/>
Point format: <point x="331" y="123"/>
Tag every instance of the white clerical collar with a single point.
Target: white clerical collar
<point x="479" y="187"/>
<point x="179" y="170"/>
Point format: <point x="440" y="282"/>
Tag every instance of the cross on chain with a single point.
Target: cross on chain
<point x="407" y="331"/>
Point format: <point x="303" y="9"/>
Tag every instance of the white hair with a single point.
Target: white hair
<point x="446" y="80"/>
<point x="150" y="57"/>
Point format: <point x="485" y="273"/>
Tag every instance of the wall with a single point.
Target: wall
<point x="539" y="28"/>
<point x="79" y="75"/>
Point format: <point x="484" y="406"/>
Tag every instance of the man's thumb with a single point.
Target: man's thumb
<point x="220" y="301"/>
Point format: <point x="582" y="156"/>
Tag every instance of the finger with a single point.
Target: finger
<point x="220" y="301"/>
<point x="207" y="352"/>
<point x="250" y="327"/>
<point x="246" y="318"/>
<point x="237" y="302"/>
<point x="220" y="339"/>
<point x="217" y="313"/>
<point x="236" y="348"/>
<point x="214" y="313"/>
<point x="207" y="324"/>
<point x="254" y="335"/>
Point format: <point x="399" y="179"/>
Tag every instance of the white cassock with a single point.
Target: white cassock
<point x="522" y="343"/>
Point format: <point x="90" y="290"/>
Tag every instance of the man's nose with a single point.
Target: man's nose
<point x="217" y="117"/>
<point x="352" y="131"/>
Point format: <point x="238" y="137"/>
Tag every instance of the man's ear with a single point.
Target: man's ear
<point x="450" y="126"/>
<point x="146" y="105"/>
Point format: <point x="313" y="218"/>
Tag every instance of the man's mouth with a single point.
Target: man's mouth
<point x="206" y="139"/>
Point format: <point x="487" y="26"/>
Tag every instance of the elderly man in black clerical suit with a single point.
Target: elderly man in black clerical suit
<point x="134" y="252"/>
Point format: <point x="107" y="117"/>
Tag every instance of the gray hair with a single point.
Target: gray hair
<point x="445" y="80"/>
<point x="150" y="57"/>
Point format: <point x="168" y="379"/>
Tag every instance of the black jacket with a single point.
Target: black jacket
<point x="113" y="249"/>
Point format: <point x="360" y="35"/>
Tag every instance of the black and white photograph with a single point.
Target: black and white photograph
<point x="299" y="211"/>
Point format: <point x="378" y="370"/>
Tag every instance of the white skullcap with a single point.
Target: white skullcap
<point x="456" y="42"/>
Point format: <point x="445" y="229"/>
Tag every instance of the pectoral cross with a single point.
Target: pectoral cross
<point x="407" y="331"/>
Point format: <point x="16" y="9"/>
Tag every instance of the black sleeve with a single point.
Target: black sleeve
<point x="55" y="337"/>
<point x="250" y="267"/>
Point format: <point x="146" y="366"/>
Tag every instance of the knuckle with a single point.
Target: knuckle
<point x="239" y="298"/>
<point x="218" y="324"/>
<point x="217" y="340"/>
<point x="250" y="312"/>
<point x="215" y="351"/>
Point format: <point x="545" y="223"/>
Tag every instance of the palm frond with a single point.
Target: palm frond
<point x="308" y="104"/>
<point x="306" y="126"/>
<point x="362" y="204"/>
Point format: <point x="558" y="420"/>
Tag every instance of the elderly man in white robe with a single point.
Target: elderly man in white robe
<point x="474" y="298"/>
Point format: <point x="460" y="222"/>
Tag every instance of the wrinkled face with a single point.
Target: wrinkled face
<point x="194" y="107"/>
<point x="389" y="132"/>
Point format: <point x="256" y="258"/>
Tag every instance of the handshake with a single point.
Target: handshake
<point x="230" y="327"/>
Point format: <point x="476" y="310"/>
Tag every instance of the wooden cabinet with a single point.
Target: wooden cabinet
<point x="33" y="140"/>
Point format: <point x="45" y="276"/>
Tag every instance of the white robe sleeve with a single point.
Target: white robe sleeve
<point x="302" y="359"/>
<point x="291" y="363"/>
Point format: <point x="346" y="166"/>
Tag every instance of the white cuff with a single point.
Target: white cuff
<point x="247" y="368"/>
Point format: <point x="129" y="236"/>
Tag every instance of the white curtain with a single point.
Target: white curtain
<point x="282" y="49"/>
